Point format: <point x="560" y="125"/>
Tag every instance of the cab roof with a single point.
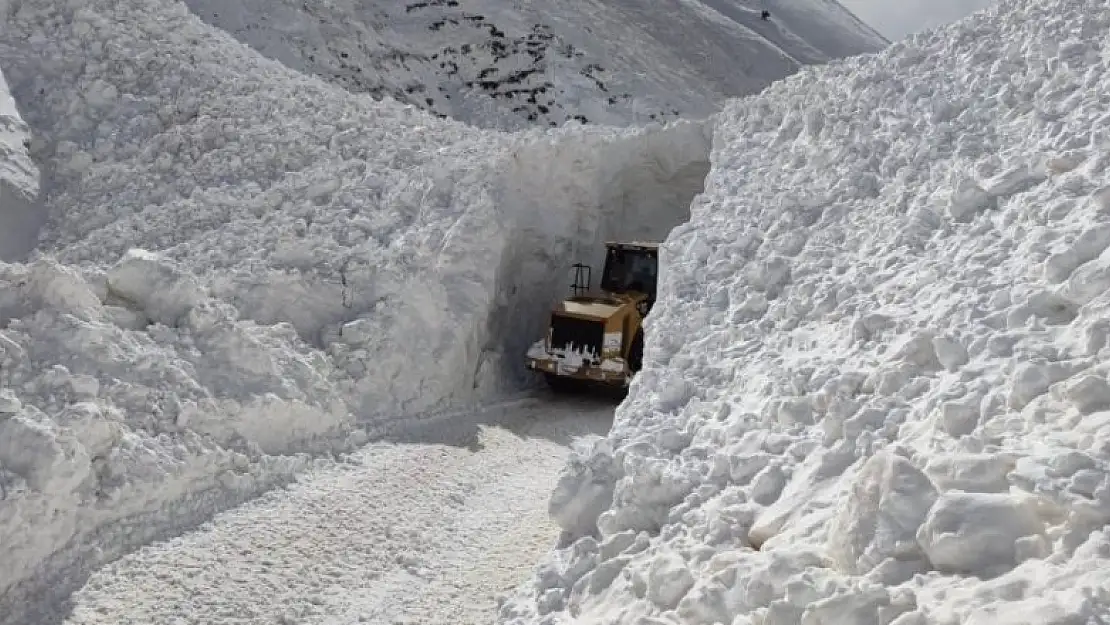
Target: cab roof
<point x="633" y="245"/>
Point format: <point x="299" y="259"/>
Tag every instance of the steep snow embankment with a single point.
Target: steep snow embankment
<point x="876" y="381"/>
<point x="242" y="264"/>
<point x="516" y="65"/>
<point x="20" y="214"/>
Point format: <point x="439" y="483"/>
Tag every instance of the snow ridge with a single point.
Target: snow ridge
<point x="876" y="380"/>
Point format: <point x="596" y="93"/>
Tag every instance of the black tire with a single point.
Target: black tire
<point x="559" y="384"/>
<point x="636" y="353"/>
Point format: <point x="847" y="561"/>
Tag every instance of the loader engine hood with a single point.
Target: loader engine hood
<point x="588" y="309"/>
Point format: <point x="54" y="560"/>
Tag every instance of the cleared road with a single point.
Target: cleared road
<point x="429" y="532"/>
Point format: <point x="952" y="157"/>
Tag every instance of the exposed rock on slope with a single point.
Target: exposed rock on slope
<point x="514" y="64"/>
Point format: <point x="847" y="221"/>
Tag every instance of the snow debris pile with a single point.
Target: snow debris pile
<point x="876" y="380"/>
<point x="242" y="264"/>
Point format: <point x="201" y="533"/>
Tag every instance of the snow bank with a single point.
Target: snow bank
<point x="875" y="385"/>
<point x="243" y="265"/>
<point x="116" y="428"/>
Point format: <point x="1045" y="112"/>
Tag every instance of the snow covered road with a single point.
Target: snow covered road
<point x="409" y="531"/>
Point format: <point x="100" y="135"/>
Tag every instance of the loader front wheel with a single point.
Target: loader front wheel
<point x="636" y="353"/>
<point x="559" y="384"/>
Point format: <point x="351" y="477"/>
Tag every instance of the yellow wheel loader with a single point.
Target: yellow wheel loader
<point x="596" y="336"/>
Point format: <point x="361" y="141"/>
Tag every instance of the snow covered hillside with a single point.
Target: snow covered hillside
<point x="513" y="65"/>
<point x="875" y="385"/>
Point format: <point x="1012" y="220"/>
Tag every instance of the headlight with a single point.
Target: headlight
<point x="611" y="345"/>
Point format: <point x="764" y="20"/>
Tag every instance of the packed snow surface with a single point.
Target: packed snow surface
<point x="901" y="19"/>
<point x="876" y="378"/>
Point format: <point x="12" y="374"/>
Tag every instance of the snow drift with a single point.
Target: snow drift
<point x="241" y="265"/>
<point x="875" y="385"/>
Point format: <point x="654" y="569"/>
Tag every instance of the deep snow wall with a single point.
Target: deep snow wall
<point x="876" y="380"/>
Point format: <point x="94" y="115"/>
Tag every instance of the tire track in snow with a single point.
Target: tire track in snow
<point x="509" y="507"/>
<point x="425" y="533"/>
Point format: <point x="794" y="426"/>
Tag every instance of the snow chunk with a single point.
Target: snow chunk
<point x="1032" y="379"/>
<point x="47" y="459"/>
<point x="968" y="200"/>
<point x="976" y="473"/>
<point x="1087" y="247"/>
<point x="155" y="286"/>
<point x="1089" y="393"/>
<point x="879" y="519"/>
<point x="977" y="533"/>
<point x="668" y="580"/>
<point x="950" y="353"/>
<point x="584" y="490"/>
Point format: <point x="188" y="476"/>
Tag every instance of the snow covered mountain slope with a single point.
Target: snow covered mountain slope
<point x="876" y="380"/>
<point x="518" y="64"/>
<point x="20" y="214"/>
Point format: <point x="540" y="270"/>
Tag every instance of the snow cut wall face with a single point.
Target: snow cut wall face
<point x="20" y="213"/>
<point x="876" y="381"/>
<point x="457" y="329"/>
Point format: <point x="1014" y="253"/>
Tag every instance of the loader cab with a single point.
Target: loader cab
<point x="631" y="268"/>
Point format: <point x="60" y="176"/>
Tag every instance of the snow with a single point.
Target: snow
<point x="875" y="386"/>
<point x="20" y="215"/>
<point x="231" y="267"/>
<point x="875" y="379"/>
<point x="913" y="16"/>
<point x="513" y="65"/>
<point x="433" y="531"/>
